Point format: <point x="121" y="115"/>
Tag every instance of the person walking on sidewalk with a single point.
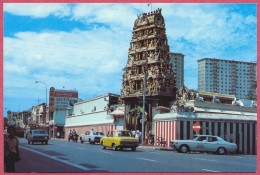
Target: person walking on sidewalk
<point x="69" y="135"/>
<point x="74" y="134"/>
<point x="11" y="151"/>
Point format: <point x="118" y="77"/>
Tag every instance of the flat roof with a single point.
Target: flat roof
<point x="63" y="90"/>
<point x="97" y="97"/>
<point x="177" y="53"/>
<point x="231" y="61"/>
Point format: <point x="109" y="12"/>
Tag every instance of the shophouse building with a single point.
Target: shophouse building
<point x="11" y="117"/>
<point x="38" y="115"/>
<point x="24" y="117"/>
<point x="94" y="113"/>
<point x="227" y="76"/>
<point x="177" y="60"/>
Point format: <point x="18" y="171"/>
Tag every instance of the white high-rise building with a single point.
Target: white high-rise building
<point x="177" y="60"/>
<point x="227" y="77"/>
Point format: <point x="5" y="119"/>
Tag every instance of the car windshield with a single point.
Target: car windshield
<point x="195" y="139"/>
<point x="100" y="133"/>
<point x="123" y="133"/>
<point x="39" y="132"/>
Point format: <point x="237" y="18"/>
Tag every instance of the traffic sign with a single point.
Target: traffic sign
<point x="196" y="127"/>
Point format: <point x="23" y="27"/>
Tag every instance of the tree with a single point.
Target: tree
<point x="5" y="122"/>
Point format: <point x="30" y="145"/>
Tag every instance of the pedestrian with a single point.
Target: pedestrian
<point x="69" y="135"/>
<point x="92" y="131"/>
<point x="58" y="134"/>
<point x="137" y="135"/>
<point x="74" y="134"/>
<point x="11" y="150"/>
<point x="133" y="133"/>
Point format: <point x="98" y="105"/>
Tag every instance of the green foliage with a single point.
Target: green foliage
<point x="251" y="97"/>
<point x="5" y="122"/>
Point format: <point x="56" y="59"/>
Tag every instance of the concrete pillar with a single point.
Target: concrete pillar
<point x="234" y="132"/>
<point x="179" y="130"/>
<point x="251" y="138"/>
<point x="204" y="128"/>
<point x="191" y="130"/>
<point x="185" y="130"/>
<point x="222" y="130"/>
<point x="216" y="128"/>
<point x="228" y="132"/>
<point x="245" y="138"/>
<point x="240" y="138"/>
<point x="210" y="128"/>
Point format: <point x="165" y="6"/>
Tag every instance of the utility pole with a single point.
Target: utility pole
<point x="143" y="108"/>
<point x="38" y="100"/>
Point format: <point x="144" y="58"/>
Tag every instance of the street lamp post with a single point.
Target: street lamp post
<point x="46" y="103"/>
<point x="45" y="86"/>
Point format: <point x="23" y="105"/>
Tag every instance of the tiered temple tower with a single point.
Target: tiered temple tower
<point x="149" y="61"/>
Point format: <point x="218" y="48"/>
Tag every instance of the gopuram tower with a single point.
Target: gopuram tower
<point x="148" y="62"/>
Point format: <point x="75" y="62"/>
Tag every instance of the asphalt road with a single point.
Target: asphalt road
<point x="63" y="156"/>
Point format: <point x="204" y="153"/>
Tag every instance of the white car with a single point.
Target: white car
<point x="205" y="143"/>
<point x="91" y="136"/>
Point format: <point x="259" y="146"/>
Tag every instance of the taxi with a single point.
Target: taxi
<point x="204" y="143"/>
<point x="119" y="139"/>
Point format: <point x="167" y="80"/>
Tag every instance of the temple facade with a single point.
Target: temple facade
<point x="148" y="66"/>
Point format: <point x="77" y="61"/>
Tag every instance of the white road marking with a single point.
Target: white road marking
<point x="211" y="170"/>
<point x="147" y="159"/>
<point x="57" y="159"/>
<point x="238" y="157"/>
<point x="106" y="152"/>
<point x="206" y="159"/>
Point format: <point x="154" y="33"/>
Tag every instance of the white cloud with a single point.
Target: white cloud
<point x="85" y="60"/>
<point x="114" y="15"/>
<point x="37" y="10"/>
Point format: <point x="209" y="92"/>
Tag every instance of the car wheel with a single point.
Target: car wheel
<point x="42" y="143"/>
<point x="102" y="145"/>
<point x="29" y="142"/>
<point x="46" y="142"/>
<point x="89" y="140"/>
<point x="32" y="142"/>
<point x="133" y="148"/>
<point x="184" y="148"/>
<point x="114" y="147"/>
<point x="221" y="151"/>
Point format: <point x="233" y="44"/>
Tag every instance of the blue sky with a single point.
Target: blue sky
<point x="85" y="46"/>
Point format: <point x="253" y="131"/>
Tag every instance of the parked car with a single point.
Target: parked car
<point x="38" y="135"/>
<point x="204" y="143"/>
<point x="119" y="139"/>
<point x="91" y="136"/>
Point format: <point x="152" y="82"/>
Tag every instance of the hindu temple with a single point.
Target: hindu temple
<point x="148" y="66"/>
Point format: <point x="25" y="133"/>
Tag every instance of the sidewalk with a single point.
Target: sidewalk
<point x="150" y="147"/>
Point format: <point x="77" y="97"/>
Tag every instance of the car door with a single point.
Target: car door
<point x="85" y="136"/>
<point x="107" y="139"/>
<point x="212" y="143"/>
<point x="200" y="143"/>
